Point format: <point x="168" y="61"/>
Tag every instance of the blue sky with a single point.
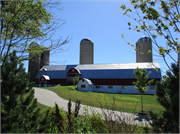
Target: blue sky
<point x="103" y="22"/>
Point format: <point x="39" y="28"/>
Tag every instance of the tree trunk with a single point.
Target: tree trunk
<point x="141" y="104"/>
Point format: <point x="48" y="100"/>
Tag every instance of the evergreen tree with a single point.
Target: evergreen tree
<point x="167" y="92"/>
<point x="19" y="114"/>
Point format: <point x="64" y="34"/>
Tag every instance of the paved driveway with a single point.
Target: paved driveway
<point x="49" y="98"/>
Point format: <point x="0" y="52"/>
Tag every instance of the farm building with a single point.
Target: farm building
<point x="110" y="78"/>
<point x="85" y="85"/>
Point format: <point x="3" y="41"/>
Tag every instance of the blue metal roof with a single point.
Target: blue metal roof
<point x="55" y="71"/>
<point x="117" y="74"/>
<point x="101" y="71"/>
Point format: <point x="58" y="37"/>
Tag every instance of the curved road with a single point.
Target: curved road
<point x="49" y="98"/>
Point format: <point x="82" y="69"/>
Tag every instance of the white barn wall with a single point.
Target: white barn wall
<point x="104" y="88"/>
<point x="88" y="87"/>
<point x="129" y="90"/>
<point x="132" y="90"/>
<point x="119" y="89"/>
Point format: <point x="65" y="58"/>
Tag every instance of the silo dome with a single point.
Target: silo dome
<point x="86" y="51"/>
<point x="144" y="38"/>
<point x="144" y="46"/>
<point x="35" y="43"/>
<point x="86" y="40"/>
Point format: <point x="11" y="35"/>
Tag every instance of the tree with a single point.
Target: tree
<point x="76" y="80"/>
<point x="155" y="22"/>
<point x="24" y="21"/>
<point x="19" y="114"/>
<point x="167" y="92"/>
<point x="142" y="82"/>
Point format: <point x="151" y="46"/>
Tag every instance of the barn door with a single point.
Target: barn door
<point x="42" y="84"/>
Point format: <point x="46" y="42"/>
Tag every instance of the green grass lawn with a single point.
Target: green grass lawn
<point x="124" y="102"/>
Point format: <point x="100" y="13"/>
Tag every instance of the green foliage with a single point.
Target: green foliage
<point x="97" y="123"/>
<point x="157" y="18"/>
<point x="19" y="114"/>
<point x="54" y="121"/>
<point x="167" y="92"/>
<point x="89" y="123"/>
<point x="76" y="79"/>
<point x="23" y="21"/>
<point x="22" y="17"/>
<point x="84" y="125"/>
<point x="60" y="122"/>
<point x="145" y="129"/>
<point x="142" y="80"/>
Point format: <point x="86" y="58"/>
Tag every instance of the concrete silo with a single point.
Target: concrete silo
<point x="86" y="51"/>
<point x="34" y="62"/>
<point x="143" y="45"/>
<point x="45" y="58"/>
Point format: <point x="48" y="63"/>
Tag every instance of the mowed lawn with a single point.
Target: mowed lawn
<point x="123" y="102"/>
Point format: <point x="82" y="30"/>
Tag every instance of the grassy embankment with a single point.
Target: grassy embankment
<point x="124" y="102"/>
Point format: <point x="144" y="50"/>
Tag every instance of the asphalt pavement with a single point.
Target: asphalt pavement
<point x="49" y="98"/>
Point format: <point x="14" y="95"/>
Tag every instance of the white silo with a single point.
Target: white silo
<point x="143" y="45"/>
<point x="86" y="51"/>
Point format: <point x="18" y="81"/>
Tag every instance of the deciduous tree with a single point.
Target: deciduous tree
<point x="160" y="18"/>
<point x="157" y="18"/>
<point x="142" y="82"/>
<point x="25" y="21"/>
<point x="76" y="80"/>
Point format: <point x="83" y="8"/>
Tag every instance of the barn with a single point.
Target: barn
<point x="110" y="78"/>
<point x="85" y="85"/>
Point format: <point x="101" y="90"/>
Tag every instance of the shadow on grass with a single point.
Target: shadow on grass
<point x="141" y="118"/>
